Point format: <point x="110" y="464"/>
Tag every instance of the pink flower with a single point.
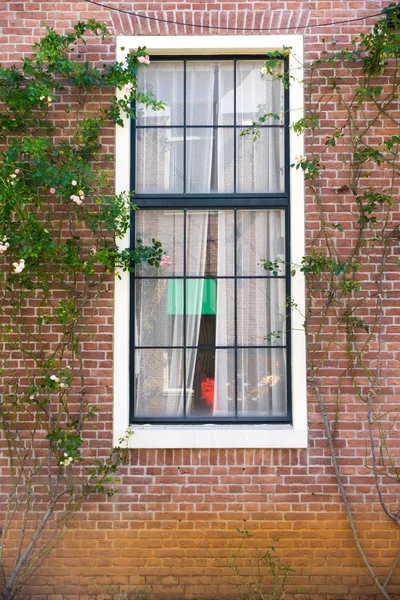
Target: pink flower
<point x="17" y="171"/>
<point x="128" y="88"/>
<point x="99" y="31"/>
<point x="145" y="60"/>
<point x="165" y="262"/>
<point x="52" y="190"/>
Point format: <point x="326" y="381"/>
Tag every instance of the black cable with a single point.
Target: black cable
<point x="135" y="14"/>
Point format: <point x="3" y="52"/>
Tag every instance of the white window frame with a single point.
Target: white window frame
<point x="217" y="436"/>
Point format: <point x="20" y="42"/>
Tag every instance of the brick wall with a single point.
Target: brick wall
<point x="174" y="505"/>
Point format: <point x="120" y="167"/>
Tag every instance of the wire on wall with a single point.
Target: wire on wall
<point x="172" y="22"/>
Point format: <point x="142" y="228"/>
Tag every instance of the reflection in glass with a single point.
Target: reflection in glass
<point x="159" y="161"/>
<point x="211" y="381"/>
<point x="260" y="236"/>
<point x="257" y="94"/>
<point x="159" y="383"/>
<point x="260" y="164"/>
<point x="262" y="382"/>
<point x="165" y="81"/>
<point x="209" y="160"/>
<point x="209" y="93"/>
<point x="261" y="312"/>
<point x="165" y="226"/>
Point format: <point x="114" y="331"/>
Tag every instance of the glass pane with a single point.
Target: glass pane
<point x="210" y="312"/>
<point x="261" y="312"/>
<point x="165" y="226"/>
<point x="209" y="93"/>
<point x="211" y="383"/>
<point x="159" y="161"/>
<point x="158" y="383"/>
<point x="209" y="160"/>
<point x="260" y="237"/>
<point x="165" y="81"/>
<point x="158" y="322"/>
<point x="257" y="94"/>
<point x="262" y="383"/>
<point x="260" y="164"/>
<point x="210" y="242"/>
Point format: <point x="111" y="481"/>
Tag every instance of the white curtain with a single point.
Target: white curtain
<point x="260" y="313"/>
<point x="260" y="163"/>
<point x="260" y="302"/>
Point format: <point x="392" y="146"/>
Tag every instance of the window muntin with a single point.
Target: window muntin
<point x="211" y="318"/>
<point x="195" y="146"/>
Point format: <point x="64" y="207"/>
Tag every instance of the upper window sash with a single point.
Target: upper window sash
<point x="195" y="148"/>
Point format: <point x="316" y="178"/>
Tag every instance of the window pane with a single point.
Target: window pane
<point x="159" y="321"/>
<point x="165" y="226"/>
<point x="165" y="81"/>
<point x="260" y="164"/>
<point x="262" y="383"/>
<point x="209" y="312"/>
<point x="159" y="161"/>
<point x="210" y="242"/>
<point x="260" y="236"/>
<point x="159" y="383"/>
<point x="257" y="94"/>
<point x="211" y="383"/>
<point x="209" y="160"/>
<point x="209" y="93"/>
<point x="261" y="311"/>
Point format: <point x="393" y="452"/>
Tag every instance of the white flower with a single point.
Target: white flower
<point x="13" y="175"/>
<point x="67" y="461"/>
<point x="19" y="266"/>
<point x="76" y="199"/>
<point x="4" y="245"/>
<point x="73" y="182"/>
<point x="264" y="70"/>
<point x="54" y="378"/>
<point x="62" y="385"/>
<point x="41" y="98"/>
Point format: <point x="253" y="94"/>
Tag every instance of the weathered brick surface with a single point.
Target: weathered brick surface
<point x="176" y="505"/>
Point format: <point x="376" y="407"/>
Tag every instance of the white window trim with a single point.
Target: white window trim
<point x="217" y="436"/>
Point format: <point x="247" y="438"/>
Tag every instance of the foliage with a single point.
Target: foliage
<point x="260" y="577"/>
<point x="61" y="228"/>
<point x="349" y="265"/>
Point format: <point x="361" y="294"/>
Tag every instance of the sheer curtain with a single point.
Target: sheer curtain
<point x="260" y="163"/>
<point x="261" y="306"/>
<point x="260" y="234"/>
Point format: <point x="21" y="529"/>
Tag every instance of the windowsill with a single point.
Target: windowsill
<point x="215" y="436"/>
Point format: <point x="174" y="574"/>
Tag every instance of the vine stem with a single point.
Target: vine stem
<point x="343" y="492"/>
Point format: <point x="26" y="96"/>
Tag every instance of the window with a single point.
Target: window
<point x="210" y="335"/>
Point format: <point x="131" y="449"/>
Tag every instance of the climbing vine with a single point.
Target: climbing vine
<point x="352" y="256"/>
<point x="60" y="222"/>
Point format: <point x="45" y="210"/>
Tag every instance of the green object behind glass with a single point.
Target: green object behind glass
<point x="201" y="297"/>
